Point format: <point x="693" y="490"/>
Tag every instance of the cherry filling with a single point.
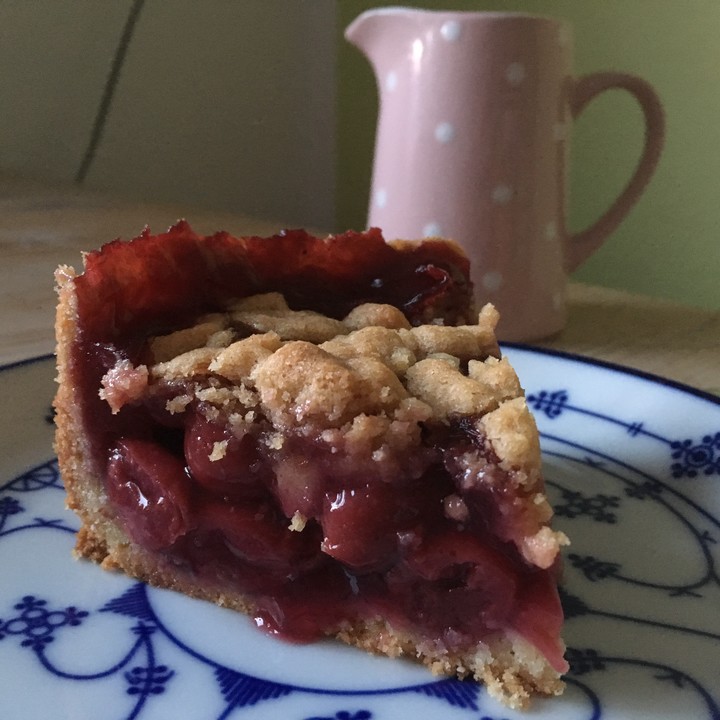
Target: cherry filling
<point x="357" y="526"/>
<point x="239" y="471"/>
<point x="152" y="492"/>
<point x="365" y="548"/>
<point x="312" y="537"/>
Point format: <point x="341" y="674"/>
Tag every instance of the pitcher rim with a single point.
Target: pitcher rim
<point x="466" y="14"/>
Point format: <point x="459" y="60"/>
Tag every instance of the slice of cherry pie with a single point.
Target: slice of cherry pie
<point x="318" y="432"/>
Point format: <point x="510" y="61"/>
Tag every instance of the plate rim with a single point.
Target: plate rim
<point x="615" y="367"/>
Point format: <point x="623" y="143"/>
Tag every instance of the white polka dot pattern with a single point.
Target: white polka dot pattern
<point x="492" y="281"/>
<point x="564" y="35"/>
<point x="473" y="130"/>
<point x="502" y="194"/>
<point x="515" y="73"/>
<point x="450" y="30"/>
<point x="560" y="131"/>
<point x="432" y="229"/>
<point x="444" y="132"/>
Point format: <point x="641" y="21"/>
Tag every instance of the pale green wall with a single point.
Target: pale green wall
<point x="669" y="246"/>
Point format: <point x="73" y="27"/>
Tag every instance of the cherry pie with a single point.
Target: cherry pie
<point x="318" y="432"/>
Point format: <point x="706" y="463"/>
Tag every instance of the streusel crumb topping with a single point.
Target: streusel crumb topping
<point x="303" y="367"/>
<point x="365" y="385"/>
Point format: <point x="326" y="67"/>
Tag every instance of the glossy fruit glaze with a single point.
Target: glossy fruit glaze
<point x="368" y="547"/>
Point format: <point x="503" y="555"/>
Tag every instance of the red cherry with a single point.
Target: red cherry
<point x="300" y="482"/>
<point x="151" y="492"/>
<point x="471" y="568"/>
<point x="359" y="527"/>
<point x="241" y="471"/>
<point x="258" y="536"/>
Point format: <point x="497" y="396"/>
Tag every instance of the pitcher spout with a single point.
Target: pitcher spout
<point x="377" y="30"/>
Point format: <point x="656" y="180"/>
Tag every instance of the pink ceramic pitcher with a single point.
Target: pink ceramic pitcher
<point x="473" y="135"/>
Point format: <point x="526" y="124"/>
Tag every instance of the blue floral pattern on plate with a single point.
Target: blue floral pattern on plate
<point x="633" y="470"/>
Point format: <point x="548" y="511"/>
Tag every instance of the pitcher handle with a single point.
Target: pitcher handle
<point x="582" y="244"/>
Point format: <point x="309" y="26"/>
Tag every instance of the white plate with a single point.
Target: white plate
<point x="633" y="469"/>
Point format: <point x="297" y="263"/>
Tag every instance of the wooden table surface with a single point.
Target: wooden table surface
<point x="42" y="227"/>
